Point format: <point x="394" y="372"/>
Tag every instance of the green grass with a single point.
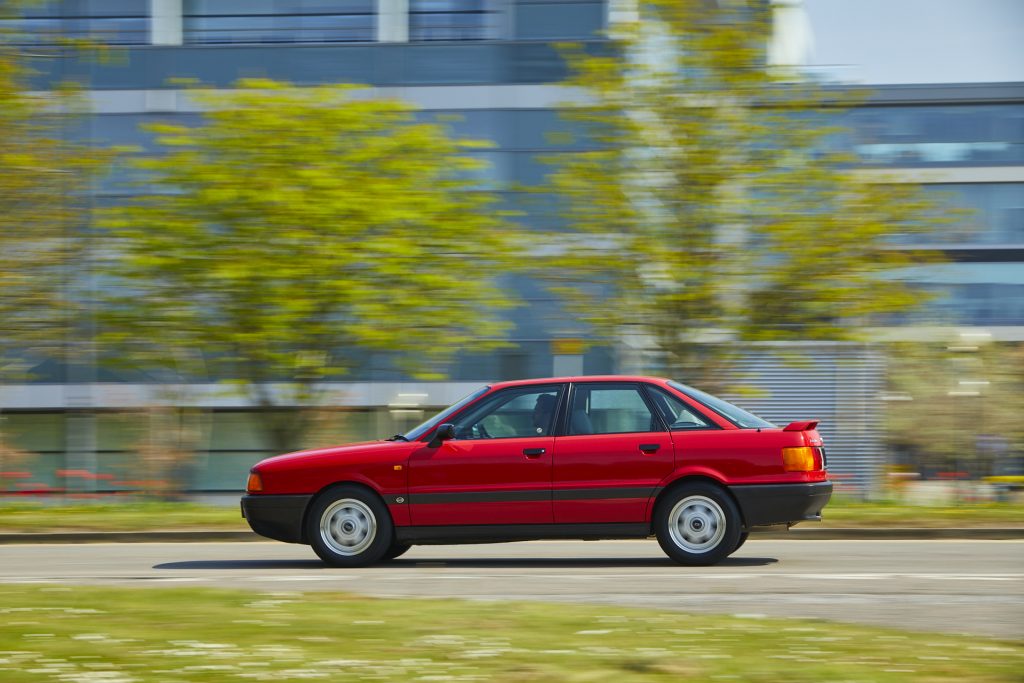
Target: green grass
<point x="28" y="516"/>
<point x="169" y="635"/>
<point x="847" y="513"/>
<point x="138" y="516"/>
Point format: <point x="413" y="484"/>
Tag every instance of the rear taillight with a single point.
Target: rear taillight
<point x="255" y="483"/>
<point x="802" y="459"/>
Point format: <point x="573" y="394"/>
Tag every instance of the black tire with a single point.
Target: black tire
<point x="697" y="524"/>
<point x="396" y="550"/>
<point x="349" y="526"/>
<point x="743" y="539"/>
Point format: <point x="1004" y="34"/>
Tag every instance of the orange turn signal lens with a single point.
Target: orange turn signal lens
<point x="798" y="459"/>
<point x="255" y="484"/>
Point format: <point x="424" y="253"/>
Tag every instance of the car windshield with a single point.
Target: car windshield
<point x="737" y="416"/>
<point x="444" y="414"/>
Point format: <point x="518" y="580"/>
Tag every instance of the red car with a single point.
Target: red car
<point x="571" y="457"/>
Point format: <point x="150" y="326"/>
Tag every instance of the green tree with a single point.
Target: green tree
<point x="44" y="179"/>
<point x="711" y="208"/>
<point x="956" y="406"/>
<point x="294" y="226"/>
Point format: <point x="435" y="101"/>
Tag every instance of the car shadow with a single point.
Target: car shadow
<point x="580" y="562"/>
<point x="479" y="563"/>
<point x="243" y="564"/>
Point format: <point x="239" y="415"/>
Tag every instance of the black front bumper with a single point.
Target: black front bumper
<point x="771" y="504"/>
<point x="276" y="516"/>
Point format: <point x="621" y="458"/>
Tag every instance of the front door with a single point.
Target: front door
<point x="497" y="469"/>
<point x="614" y="454"/>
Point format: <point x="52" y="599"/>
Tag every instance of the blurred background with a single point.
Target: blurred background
<point x="232" y="229"/>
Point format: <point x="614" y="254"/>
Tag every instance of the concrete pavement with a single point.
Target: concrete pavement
<point x="973" y="587"/>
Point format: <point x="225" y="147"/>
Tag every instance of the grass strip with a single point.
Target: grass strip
<point x="127" y="635"/>
<point x="33" y="516"/>
<point x="848" y="513"/>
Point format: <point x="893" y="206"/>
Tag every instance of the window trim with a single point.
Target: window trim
<point x="709" y="423"/>
<point x="521" y="389"/>
<point x="563" y="427"/>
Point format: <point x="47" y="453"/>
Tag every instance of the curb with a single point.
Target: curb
<point x="130" y="537"/>
<point x="984" y="533"/>
<point x="899" y="533"/>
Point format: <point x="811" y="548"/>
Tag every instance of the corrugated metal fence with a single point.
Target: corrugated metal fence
<point x="839" y="384"/>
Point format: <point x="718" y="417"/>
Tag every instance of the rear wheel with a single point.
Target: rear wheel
<point x="349" y="526"/>
<point x="697" y="524"/>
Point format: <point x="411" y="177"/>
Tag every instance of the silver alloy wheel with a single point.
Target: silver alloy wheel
<point x="696" y="524"/>
<point x="348" y="526"/>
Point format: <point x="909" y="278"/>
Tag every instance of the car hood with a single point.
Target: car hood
<point x="345" y="453"/>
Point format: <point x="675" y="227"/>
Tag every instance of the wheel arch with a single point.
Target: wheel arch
<point x="324" y="490"/>
<point x="693" y="478"/>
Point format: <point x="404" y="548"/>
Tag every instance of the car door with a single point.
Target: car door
<point x="497" y="469"/>
<point x="611" y="453"/>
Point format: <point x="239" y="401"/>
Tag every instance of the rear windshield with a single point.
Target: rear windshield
<point x="737" y="416"/>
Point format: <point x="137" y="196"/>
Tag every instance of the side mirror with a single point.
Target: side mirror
<point x="444" y="432"/>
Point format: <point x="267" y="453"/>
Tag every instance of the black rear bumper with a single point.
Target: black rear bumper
<point x="771" y="504"/>
<point x="276" y="516"/>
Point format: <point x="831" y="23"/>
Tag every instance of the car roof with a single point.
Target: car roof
<point x="578" y="378"/>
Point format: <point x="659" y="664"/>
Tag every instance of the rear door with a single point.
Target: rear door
<point x="612" y="451"/>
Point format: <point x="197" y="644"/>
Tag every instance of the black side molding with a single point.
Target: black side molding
<point x="500" y="533"/>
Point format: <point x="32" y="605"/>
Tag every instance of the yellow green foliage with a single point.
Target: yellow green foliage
<point x="295" y="225"/>
<point x="43" y="210"/>
<point x="714" y="204"/>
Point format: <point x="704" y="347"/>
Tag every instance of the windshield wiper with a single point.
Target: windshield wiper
<point x="397" y="437"/>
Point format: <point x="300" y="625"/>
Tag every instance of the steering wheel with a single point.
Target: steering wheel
<point x="475" y="431"/>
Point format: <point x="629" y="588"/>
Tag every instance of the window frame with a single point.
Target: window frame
<point x="521" y="389"/>
<point x="564" y="416"/>
<point x="709" y="423"/>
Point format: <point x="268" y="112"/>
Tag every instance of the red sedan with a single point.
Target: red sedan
<point x="571" y="457"/>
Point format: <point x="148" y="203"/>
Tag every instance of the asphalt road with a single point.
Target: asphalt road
<point x="974" y="587"/>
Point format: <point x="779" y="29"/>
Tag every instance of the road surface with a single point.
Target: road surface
<point x="974" y="587"/>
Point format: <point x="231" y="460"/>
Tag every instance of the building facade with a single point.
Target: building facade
<point x="495" y="66"/>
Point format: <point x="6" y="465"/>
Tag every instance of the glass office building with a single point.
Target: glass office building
<point x="493" y="64"/>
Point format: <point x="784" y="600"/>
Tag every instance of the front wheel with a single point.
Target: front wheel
<point x="396" y="550"/>
<point x="349" y="526"/>
<point x="698" y="524"/>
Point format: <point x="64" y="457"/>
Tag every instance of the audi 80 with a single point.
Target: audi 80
<point x="565" y="458"/>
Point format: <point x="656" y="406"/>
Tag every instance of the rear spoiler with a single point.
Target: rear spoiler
<point x="802" y="426"/>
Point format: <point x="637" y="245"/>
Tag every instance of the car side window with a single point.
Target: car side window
<point x="610" y="410"/>
<point x="676" y="414"/>
<point x="511" y="414"/>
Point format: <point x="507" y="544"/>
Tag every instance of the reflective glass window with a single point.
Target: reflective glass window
<point x="453" y="20"/>
<point x="513" y="413"/>
<point x="552" y="20"/>
<point x="942" y="135"/>
<point x="609" y="409"/>
<point x="279" y="21"/>
<point x="118" y="22"/>
<point x="995" y="212"/>
<point x="972" y="304"/>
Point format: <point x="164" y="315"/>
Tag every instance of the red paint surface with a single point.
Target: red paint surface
<point x="609" y="460"/>
<point x="729" y="455"/>
<point x="489" y="465"/>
